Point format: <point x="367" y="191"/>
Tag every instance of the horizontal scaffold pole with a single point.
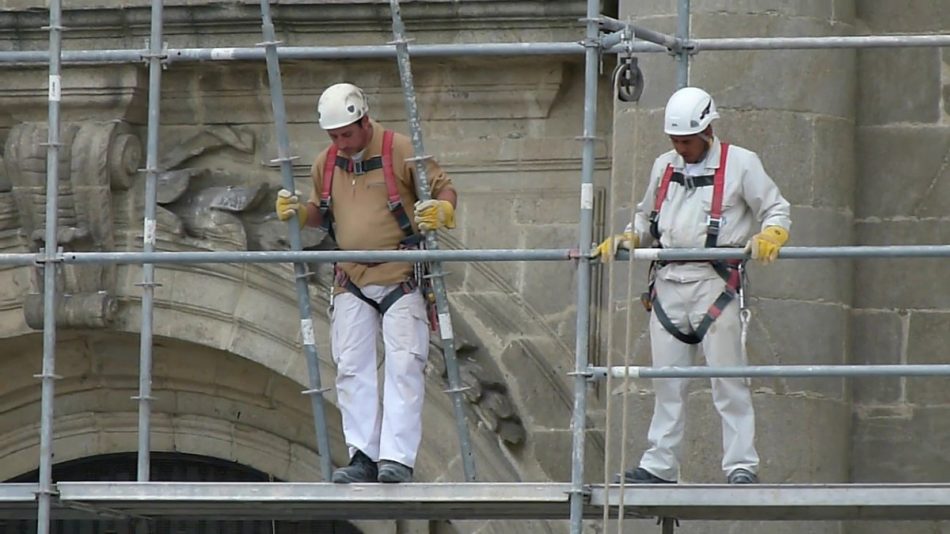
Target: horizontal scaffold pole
<point x="783" y="371"/>
<point x="553" y="254"/>
<point x="186" y="55"/>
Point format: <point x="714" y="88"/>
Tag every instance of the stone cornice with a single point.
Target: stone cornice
<point x="23" y="21"/>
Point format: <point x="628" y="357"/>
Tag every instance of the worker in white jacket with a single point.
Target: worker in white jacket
<point x="703" y="193"/>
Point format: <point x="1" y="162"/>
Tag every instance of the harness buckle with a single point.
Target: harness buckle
<point x="713" y="224"/>
<point x="394" y="204"/>
<point x="359" y="168"/>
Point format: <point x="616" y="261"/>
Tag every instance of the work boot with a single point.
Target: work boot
<point x="393" y="472"/>
<point x="641" y="476"/>
<point x="361" y="469"/>
<point x="742" y="476"/>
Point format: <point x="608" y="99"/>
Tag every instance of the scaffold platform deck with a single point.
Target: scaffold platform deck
<point x="276" y="501"/>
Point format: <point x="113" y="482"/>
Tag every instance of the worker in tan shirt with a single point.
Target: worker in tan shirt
<point x="370" y="203"/>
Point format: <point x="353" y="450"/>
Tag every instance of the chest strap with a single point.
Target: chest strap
<point x="394" y="200"/>
<point x="714" y="221"/>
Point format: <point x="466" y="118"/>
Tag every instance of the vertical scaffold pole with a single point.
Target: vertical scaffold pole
<point x="48" y="374"/>
<point x="436" y="272"/>
<point x="682" y="31"/>
<point x="148" y="241"/>
<point x="582" y="341"/>
<point x="316" y="390"/>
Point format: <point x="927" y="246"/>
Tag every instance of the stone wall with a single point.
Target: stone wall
<point x="902" y="307"/>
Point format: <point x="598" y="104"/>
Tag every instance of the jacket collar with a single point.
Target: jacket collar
<point x="712" y="156"/>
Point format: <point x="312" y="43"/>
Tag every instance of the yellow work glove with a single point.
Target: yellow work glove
<point x="288" y="205"/>
<point x="607" y="249"/>
<point x="765" y="245"/>
<point x="434" y="214"/>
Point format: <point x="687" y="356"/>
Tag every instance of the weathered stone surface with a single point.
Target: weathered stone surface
<point x="902" y="449"/>
<point x="898" y="186"/>
<point x="786" y="332"/>
<point x="906" y="17"/>
<point x="886" y="103"/>
<point x="926" y="344"/>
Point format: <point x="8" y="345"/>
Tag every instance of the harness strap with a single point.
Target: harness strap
<point x="729" y="271"/>
<point x="715" y="211"/>
<point x="387" y="302"/>
<point x="394" y="200"/>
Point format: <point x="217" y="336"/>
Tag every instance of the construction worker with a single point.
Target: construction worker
<point x="693" y="303"/>
<point x="364" y="195"/>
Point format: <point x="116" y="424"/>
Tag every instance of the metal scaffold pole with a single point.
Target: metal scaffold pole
<point x="682" y="33"/>
<point x="316" y="389"/>
<point x="148" y="284"/>
<point x="435" y="268"/>
<point x="50" y="265"/>
<point x="585" y="233"/>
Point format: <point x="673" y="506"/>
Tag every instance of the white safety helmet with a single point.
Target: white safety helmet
<point x="340" y="105"/>
<point x="689" y="111"/>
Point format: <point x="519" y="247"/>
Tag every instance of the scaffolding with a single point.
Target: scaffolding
<point x="574" y="501"/>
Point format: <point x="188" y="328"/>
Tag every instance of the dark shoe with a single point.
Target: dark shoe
<point x="394" y="472"/>
<point x="642" y="476"/>
<point x="742" y="476"/>
<point x="361" y="469"/>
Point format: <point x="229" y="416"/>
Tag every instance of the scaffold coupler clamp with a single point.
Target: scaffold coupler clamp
<point x="147" y="54"/>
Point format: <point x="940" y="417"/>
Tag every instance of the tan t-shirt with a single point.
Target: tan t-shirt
<point x="360" y="211"/>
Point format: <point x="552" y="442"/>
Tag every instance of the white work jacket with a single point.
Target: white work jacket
<point x="751" y="201"/>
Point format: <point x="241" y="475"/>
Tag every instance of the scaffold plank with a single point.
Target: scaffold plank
<point x="251" y="501"/>
<point x="779" y="502"/>
<point x="261" y="501"/>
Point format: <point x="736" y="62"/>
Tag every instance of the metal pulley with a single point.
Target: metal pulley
<point x="628" y="79"/>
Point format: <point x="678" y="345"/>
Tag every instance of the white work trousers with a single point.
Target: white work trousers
<point x="390" y="430"/>
<point x="731" y="396"/>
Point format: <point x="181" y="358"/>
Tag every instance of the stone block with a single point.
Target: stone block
<point x="800" y="333"/>
<point x="553" y="452"/>
<point x="876" y="339"/>
<point x="550" y="287"/>
<point x="890" y="102"/>
<point x="558" y="206"/>
<point x="785" y="142"/>
<point x="912" y="16"/>
<point x="927" y="343"/>
<point x="902" y="449"/>
<point x="772" y="79"/>
<point x="900" y="283"/>
<point x="538" y="383"/>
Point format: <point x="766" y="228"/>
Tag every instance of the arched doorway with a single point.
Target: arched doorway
<point x="166" y="467"/>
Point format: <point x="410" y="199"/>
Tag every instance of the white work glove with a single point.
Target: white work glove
<point x="434" y="214"/>
<point x="288" y="205"/>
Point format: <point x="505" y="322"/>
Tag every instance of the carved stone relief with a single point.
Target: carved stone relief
<point x="95" y="159"/>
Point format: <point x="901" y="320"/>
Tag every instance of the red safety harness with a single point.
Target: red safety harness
<point x="729" y="270"/>
<point x="394" y="203"/>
